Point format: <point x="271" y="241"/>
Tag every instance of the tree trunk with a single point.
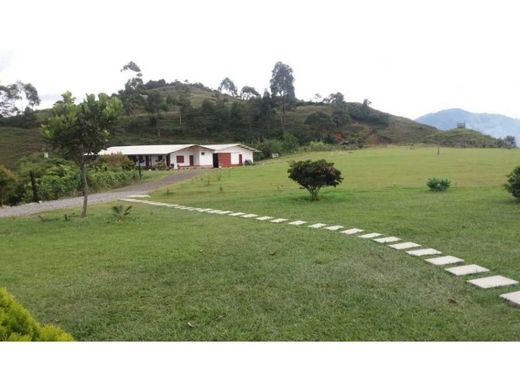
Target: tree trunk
<point x="84" y="185"/>
<point x="36" y="198"/>
<point x="1" y="197"/>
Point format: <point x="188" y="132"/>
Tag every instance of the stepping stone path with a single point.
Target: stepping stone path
<point x="462" y="270"/>
<point x="424" y="252"/>
<point x="317" y="225"/>
<point x="297" y="223"/>
<point x="352" y="231"/>
<point x="384" y="240"/>
<point x="370" y="235"/>
<point x="444" y="260"/>
<point x="404" y="245"/>
<point x="334" y="228"/>
<point x="513" y="297"/>
<point x="493" y="281"/>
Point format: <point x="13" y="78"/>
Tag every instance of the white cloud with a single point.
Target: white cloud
<point x="408" y="57"/>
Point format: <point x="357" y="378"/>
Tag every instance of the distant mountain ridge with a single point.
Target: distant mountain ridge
<point x="496" y="125"/>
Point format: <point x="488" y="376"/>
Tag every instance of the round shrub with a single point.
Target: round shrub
<point x="438" y="185"/>
<point x="513" y="183"/>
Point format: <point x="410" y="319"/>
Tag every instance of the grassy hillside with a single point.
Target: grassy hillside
<point x="16" y="142"/>
<point x="179" y="275"/>
<point x="463" y="138"/>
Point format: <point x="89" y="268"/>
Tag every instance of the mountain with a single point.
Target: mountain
<point x="495" y="125"/>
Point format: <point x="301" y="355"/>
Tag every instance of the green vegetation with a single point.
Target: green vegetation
<point x="438" y="185"/>
<point x="513" y="182"/>
<point x="313" y="175"/>
<point x="17" y="324"/>
<point x="56" y="178"/>
<point x="465" y="138"/>
<point x="80" y="132"/>
<point x="167" y="274"/>
<point x="7" y="179"/>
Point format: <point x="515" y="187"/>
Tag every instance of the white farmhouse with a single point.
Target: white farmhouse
<point x="186" y="156"/>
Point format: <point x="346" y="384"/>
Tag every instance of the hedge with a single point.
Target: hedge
<point x="17" y="324"/>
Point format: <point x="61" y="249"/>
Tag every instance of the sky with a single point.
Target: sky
<point x="408" y="57"/>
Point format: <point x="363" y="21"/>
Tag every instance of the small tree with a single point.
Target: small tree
<point x="312" y="175"/>
<point x="79" y="132"/>
<point x="513" y="183"/>
<point x="7" y="179"/>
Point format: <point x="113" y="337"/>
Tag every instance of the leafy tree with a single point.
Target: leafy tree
<point x="79" y="132"/>
<point x="365" y="108"/>
<point x="340" y="114"/>
<point x="10" y="94"/>
<point x="155" y="103"/>
<point x="510" y="142"/>
<point x="132" y="96"/>
<point x="320" y="124"/>
<point x="313" y="175"/>
<point x="182" y="101"/>
<point x="282" y="88"/>
<point x="513" y="183"/>
<point x="248" y="93"/>
<point x="228" y="86"/>
<point x="7" y="179"/>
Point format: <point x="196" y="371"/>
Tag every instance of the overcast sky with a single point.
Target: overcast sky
<point x="408" y="57"/>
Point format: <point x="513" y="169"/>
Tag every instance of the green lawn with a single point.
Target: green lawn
<point x="166" y="274"/>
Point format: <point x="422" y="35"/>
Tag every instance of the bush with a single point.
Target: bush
<point x="438" y="185"/>
<point x="115" y="161"/>
<point x="513" y="182"/>
<point x="161" y="166"/>
<point x="7" y="180"/>
<point x="17" y="324"/>
<point x="312" y="175"/>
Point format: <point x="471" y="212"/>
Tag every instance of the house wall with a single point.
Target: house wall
<point x="199" y="160"/>
<point x="235" y="151"/>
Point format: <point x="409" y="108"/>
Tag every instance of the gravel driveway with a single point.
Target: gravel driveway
<point x="135" y="189"/>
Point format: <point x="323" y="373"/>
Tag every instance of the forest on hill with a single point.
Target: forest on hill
<point x="274" y="121"/>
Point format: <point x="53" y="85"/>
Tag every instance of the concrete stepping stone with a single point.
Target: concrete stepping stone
<point x="236" y="214"/>
<point x="444" y="260"/>
<point x="334" y="227"/>
<point x="317" y="225"/>
<point x="469" y="269"/>
<point x="493" y="281"/>
<point x="278" y="220"/>
<point x="424" y="252"/>
<point x="370" y="235"/>
<point x="249" y="215"/>
<point x="138" y="196"/>
<point x="512" y="297"/>
<point x="264" y="218"/>
<point x="404" y="245"/>
<point x="224" y="212"/>
<point x="297" y="223"/>
<point x="385" y="240"/>
<point x="352" y="231"/>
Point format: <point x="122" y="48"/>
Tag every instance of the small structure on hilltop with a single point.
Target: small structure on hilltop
<point x="186" y="156"/>
<point x="461" y="125"/>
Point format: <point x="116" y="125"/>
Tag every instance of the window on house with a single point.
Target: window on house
<point x="180" y="159"/>
<point x="202" y="153"/>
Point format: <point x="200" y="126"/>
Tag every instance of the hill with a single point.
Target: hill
<point x="210" y="116"/>
<point x="463" y="138"/>
<point x="495" y="125"/>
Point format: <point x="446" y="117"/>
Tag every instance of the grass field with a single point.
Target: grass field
<point x="166" y="274"/>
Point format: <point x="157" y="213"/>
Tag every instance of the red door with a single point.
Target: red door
<point x="239" y="159"/>
<point x="191" y="160"/>
<point x="224" y="159"/>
